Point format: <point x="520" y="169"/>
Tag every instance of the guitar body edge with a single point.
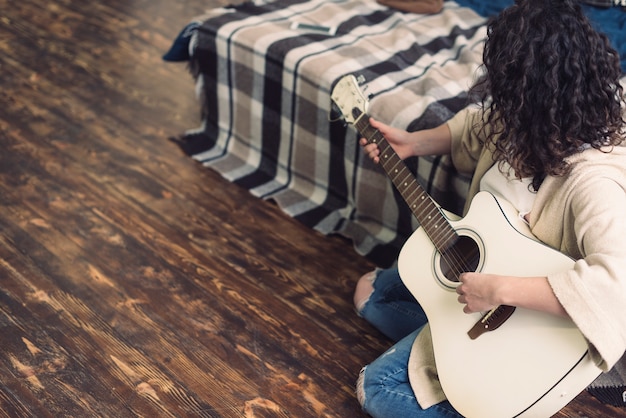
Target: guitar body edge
<point x="531" y="366"/>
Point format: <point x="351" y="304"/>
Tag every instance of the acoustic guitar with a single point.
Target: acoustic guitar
<point x="508" y="362"/>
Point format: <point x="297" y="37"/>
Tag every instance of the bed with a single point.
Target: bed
<point x="267" y="119"/>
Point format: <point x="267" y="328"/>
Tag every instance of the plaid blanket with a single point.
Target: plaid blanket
<point x="267" y="122"/>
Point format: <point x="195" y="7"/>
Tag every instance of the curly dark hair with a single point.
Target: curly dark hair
<point x="551" y="86"/>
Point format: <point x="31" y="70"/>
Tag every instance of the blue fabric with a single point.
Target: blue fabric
<point x="386" y="387"/>
<point x="385" y="382"/>
<point x="179" y="51"/>
<point x="610" y="21"/>
<point x="391" y="308"/>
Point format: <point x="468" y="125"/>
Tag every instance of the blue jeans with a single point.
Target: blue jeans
<point x="383" y="388"/>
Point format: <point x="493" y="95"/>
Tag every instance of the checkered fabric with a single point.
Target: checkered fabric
<point x="267" y="121"/>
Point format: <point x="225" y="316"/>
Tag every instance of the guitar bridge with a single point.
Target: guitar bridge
<point x="491" y="320"/>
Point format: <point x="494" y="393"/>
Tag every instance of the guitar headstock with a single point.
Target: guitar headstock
<point x="349" y="98"/>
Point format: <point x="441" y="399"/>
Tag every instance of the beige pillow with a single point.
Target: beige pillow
<point x="414" y="6"/>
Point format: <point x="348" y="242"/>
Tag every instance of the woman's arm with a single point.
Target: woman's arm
<point x="435" y="141"/>
<point x="480" y="292"/>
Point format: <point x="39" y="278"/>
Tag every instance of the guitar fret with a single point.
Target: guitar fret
<point x="410" y="199"/>
<point x="438" y="234"/>
<point x="429" y="214"/>
<point x="397" y="162"/>
<point x="419" y="204"/>
<point x="405" y="179"/>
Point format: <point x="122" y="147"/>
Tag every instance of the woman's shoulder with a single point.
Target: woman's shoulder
<point x="596" y="171"/>
<point x="591" y="173"/>
<point x="608" y="158"/>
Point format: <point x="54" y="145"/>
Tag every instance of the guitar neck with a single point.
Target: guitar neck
<point x="423" y="207"/>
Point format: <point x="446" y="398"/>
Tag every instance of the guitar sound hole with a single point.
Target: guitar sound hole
<point x="462" y="256"/>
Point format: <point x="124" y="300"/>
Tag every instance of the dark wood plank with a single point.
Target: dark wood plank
<point x="134" y="282"/>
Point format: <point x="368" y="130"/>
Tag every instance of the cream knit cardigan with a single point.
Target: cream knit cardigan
<point x="584" y="216"/>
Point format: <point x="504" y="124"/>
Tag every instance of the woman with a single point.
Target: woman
<point x="547" y="138"/>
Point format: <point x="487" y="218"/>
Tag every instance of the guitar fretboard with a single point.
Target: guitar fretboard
<point x="423" y="207"/>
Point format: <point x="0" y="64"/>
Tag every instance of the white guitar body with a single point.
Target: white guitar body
<point x="533" y="364"/>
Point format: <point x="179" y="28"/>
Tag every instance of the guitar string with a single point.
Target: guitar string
<point x="443" y="238"/>
<point x="459" y="263"/>
<point x="454" y="259"/>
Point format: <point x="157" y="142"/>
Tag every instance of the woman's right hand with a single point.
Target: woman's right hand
<point x="399" y="139"/>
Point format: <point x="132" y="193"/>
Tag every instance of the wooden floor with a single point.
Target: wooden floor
<point x="134" y="282"/>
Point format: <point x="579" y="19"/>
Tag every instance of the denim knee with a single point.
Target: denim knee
<point x="391" y="308"/>
<point x="391" y="395"/>
<point x="383" y="387"/>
